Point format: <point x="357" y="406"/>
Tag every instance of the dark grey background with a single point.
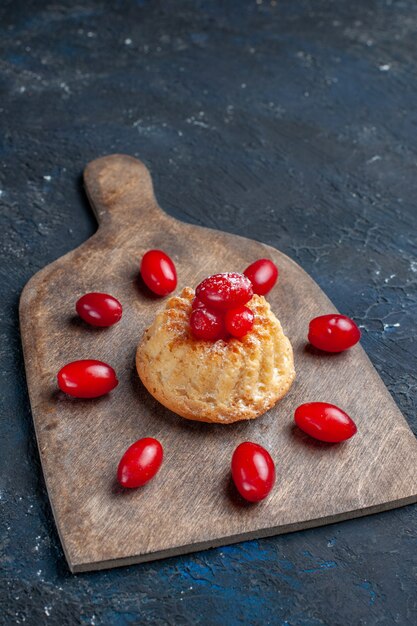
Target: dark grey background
<point x="292" y="122"/>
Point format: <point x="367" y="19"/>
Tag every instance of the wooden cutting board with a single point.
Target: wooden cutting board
<point x="191" y="504"/>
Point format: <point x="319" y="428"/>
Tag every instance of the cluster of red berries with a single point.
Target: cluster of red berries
<point x="218" y="311"/>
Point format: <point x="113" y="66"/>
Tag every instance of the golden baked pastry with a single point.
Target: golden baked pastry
<point x="221" y="381"/>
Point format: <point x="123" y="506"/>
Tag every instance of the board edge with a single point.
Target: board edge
<point x="262" y="533"/>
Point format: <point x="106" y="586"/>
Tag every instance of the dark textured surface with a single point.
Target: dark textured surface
<point x="304" y="114"/>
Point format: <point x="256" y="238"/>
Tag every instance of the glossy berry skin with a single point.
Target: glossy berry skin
<point x="225" y="291"/>
<point x="87" y="379"/>
<point x="158" y="272"/>
<point x="325" y="422"/>
<point x="99" y="309"/>
<point x="197" y="304"/>
<point x="207" y="325"/>
<point x="263" y="275"/>
<point x="253" y="471"/>
<point x="140" y="463"/>
<point x="333" y="333"/>
<point x="239" y="322"/>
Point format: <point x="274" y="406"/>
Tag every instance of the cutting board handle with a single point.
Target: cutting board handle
<point x="119" y="188"/>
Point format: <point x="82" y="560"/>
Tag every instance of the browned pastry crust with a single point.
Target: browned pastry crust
<point x="224" y="381"/>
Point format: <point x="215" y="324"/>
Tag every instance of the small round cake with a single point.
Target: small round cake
<point x="223" y="381"/>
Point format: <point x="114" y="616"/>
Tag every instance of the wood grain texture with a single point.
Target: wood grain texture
<point x="191" y="504"/>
